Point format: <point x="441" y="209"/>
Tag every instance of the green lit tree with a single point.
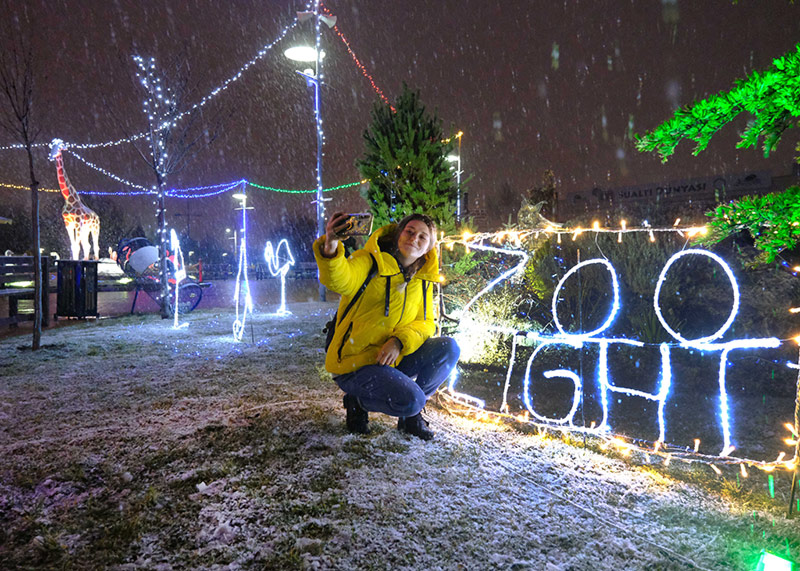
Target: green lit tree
<point x="772" y="97"/>
<point x="405" y="163"/>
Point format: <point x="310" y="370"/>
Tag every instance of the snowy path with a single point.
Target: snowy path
<point x="129" y="445"/>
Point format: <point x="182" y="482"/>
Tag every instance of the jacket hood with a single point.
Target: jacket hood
<point x="387" y="264"/>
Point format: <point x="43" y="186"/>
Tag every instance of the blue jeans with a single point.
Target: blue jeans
<point x="393" y="391"/>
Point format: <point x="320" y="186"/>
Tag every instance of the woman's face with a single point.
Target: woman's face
<point x="414" y="241"/>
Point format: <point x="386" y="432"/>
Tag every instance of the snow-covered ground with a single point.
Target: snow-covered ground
<point x="128" y="444"/>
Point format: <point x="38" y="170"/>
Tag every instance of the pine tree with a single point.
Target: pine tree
<point x="771" y="96"/>
<point x="405" y="163"/>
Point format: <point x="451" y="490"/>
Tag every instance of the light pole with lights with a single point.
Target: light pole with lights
<point x="313" y="79"/>
<point x="457" y="159"/>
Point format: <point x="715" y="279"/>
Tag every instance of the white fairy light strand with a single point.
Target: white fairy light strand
<point x="19" y="146"/>
<point x="216" y="91"/>
<point x="734" y="309"/>
<point x="111" y="175"/>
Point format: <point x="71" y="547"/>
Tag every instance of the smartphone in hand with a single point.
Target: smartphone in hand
<point x="357" y="224"/>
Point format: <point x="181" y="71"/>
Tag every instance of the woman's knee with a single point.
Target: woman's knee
<point x="454" y="351"/>
<point x="408" y="404"/>
<point x="448" y="350"/>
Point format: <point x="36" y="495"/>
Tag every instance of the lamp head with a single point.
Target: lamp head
<point x="303" y="53"/>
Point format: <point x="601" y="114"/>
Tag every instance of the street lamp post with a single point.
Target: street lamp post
<point x="457" y="159"/>
<point x="314" y="78"/>
<point x="241" y="232"/>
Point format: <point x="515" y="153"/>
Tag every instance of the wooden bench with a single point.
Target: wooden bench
<point x="15" y="273"/>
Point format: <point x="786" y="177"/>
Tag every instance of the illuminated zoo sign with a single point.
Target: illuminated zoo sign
<point x="607" y="387"/>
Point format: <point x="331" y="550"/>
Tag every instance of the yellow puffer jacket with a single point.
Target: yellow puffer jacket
<point x="383" y="310"/>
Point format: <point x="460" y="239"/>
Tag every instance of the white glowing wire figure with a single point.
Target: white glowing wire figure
<point x="279" y="265"/>
<point x="180" y="272"/>
<point x="242" y="283"/>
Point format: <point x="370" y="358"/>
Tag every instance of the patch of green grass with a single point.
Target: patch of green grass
<point x="329" y="479"/>
<point x="318" y="531"/>
<point x="326" y="505"/>
<point x="258" y="480"/>
<point x="74" y="472"/>
<point x="394" y="445"/>
<point x="160" y="459"/>
<point x="285" y="558"/>
<point x="95" y="350"/>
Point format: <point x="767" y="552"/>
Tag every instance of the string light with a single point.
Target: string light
<point x="20" y="146"/>
<point x="214" y="92"/>
<point x="288" y="191"/>
<point x="614" y="305"/>
<point x="578" y="340"/>
<point x="20" y="187"/>
<point x="204" y="191"/>
<point x="213" y="189"/>
<point x="516" y="270"/>
<point x="279" y="266"/>
<point x="109" y="174"/>
<point x="362" y="68"/>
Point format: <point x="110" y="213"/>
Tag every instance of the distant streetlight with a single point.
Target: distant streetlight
<point x="235" y="238"/>
<point x="313" y="79"/>
<point x="242" y="231"/>
<point x="456" y="158"/>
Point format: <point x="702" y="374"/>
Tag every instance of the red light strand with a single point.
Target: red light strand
<point x="362" y="68"/>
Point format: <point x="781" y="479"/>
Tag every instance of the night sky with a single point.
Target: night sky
<point x="533" y="85"/>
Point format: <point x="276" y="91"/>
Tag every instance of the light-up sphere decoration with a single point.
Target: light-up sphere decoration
<point x="180" y="272"/>
<point x="607" y="387"/>
<point x="279" y="260"/>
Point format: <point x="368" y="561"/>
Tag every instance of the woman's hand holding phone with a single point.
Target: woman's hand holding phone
<point x="332" y="229"/>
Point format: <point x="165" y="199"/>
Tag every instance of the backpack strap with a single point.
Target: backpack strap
<point x="424" y="299"/>
<point x="388" y="294"/>
<point x="372" y="271"/>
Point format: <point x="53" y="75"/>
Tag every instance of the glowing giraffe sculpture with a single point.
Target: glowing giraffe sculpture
<point x="81" y="221"/>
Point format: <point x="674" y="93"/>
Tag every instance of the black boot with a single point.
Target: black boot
<point x="357" y="417"/>
<point x="416" y="426"/>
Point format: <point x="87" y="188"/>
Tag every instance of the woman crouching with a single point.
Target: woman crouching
<point x="382" y="354"/>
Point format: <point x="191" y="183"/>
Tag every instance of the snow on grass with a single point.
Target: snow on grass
<point x="128" y="444"/>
